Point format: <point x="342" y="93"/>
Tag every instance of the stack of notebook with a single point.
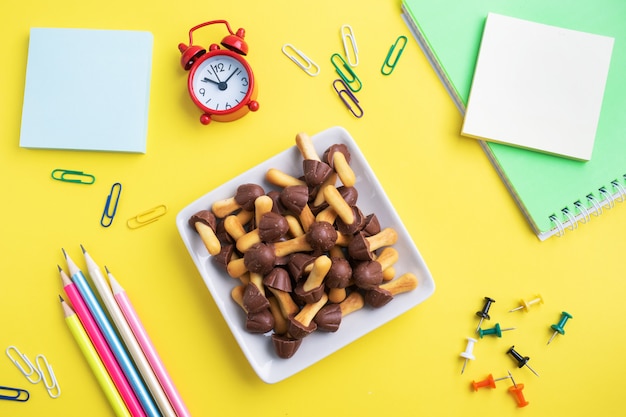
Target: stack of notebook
<point x="556" y="188"/>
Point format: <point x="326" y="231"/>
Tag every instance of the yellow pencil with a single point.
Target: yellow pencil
<point x="97" y="367"/>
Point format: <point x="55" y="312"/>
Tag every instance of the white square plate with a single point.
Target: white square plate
<point x="258" y="348"/>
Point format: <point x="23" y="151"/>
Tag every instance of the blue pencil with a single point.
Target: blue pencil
<point x="112" y="338"/>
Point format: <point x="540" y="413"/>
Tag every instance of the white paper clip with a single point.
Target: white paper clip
<point x="353" y="51"/>
<point x="301" y="60"/>
<point x="24" y="361"/>
<point x="52" y="386"/>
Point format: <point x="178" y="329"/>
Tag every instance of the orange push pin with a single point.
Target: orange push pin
<point x="516" y="390"/>
<point x="488" y="382"/>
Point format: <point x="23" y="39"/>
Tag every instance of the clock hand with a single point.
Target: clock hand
<point x="206" y="79"/>
<point x="231" y="75"/>
<point x="216" y="76"/>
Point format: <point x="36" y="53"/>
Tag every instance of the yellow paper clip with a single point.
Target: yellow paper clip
<point x="51" y="384"/>
<point x="147" y="217"/>
<point x="32" y="374"/>
<point x="14" y="394"/>
<point x="388" y="66"/>
<point x="350" y="78"/>
<point x="301" y="60"/>
<point x="110" y="208"/>
<point x="77" y="177"/>
<point x="343" y="92"/>
<point x="352" y="51"/>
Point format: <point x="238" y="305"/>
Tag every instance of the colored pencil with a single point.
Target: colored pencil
<point x="128" y="337"/>
<point x="102" y="348"/>
<point x="146" y="345"/>
<point x="116" y="345"/>
<point x="96" y="365"/>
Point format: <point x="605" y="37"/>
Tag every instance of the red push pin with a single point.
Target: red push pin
<point x="488" y="382"/>
<point x="516" y="390"/>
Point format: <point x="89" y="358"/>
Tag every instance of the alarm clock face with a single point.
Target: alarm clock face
<point x="221" y="82"/>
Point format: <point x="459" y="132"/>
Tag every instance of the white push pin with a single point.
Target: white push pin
<point x="468" y="352"/>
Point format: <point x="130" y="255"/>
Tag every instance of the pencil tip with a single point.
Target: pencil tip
<point x="107" y="269"/>
<point x="61" y="298"/>
<point x="64" y="253"/>
<point x="59" y="266"/>
<point x="82" y="248"/>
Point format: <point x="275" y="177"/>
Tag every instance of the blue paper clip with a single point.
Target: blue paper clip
<point x="388" y="66"/>
<point x="348" y="78"/>
<point x="342" y="92"/>
<point x="14" y="394"/>
<point x="77" y="177"/>
<point x="109" y="212"/>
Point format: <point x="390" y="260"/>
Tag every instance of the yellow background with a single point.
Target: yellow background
<point x="472" y="236"/>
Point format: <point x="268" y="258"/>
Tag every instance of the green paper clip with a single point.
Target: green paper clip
<point x="388" y="66"/>
<point x="348" y="78"/>
<point x="77" y="177"/>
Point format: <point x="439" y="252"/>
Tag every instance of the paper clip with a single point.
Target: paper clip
<point x="388" y="67"/>
<point x="349" y="78"/>
<point x="353" y="51"/>
<point x="31" y="368"/>
<point x="109" y="213"/>
<point x="301" y="60"/>
<point x="147" y="217"/>
<point x="342" y="92"/>
<point x="77" y="177"/>
<point x="14" y="394"/>
<point x="52" y="386"/>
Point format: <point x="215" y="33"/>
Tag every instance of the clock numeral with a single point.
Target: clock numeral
<point x="202" y="91"/>
<point x="244" y="81"/>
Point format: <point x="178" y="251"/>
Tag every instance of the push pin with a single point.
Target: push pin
<point x="516" y="390"/>
<point x="484" y="313"/>
<point x="558" y="328"/>
<point x="468" y="352"/>
<point x="495" y="330"/>
<point x="488" y="382"/>
<point x="521" y="360"/>
<point x="526" y="304"/>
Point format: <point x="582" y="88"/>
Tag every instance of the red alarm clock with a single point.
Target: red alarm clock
<point x="221" y="82"/>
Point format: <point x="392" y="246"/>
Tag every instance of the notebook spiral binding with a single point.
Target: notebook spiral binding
<point x="570" y="220"/>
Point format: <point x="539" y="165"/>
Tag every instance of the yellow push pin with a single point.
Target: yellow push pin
<point x="526" y="304"/>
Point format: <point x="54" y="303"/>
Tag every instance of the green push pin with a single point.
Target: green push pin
<point x="495" y="330"/>
<point x="558" y="328"/>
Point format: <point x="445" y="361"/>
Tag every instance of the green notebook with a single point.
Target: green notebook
<point x="554" y="193"/>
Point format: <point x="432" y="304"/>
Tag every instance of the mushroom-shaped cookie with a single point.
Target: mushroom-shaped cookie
<point x="302" y="324"/>
<point x="259" y="258"/>
<point x="315" y="171"/>
<point x="295" y="198"/>
<point x="285" y="346"/>
<point x="270" y="228"/>
<point x="321" y="236"/>
<point x="329" y="317"/>
<point x="368" y="274"/>
<point x="243" y="199"/>
<point x="261" y="321"/>
<point x="282" y="179"/>
<point x="279" y="284"/>
<point x="205" y="224"/>
<point x="362" y="247"/>
<point x="381" y="295"/>
<point x="300" y="264"/>
<point x="338" y="278"/>
<point x="371" y="225"/>
<point x="338" y="157"/>
<point x="312" y="289"/>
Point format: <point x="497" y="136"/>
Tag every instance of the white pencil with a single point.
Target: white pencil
<point x="129" y="338"/>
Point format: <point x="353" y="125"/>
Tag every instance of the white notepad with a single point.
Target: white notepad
<point x="87" y="90"/>
<point x="538" y="87"/>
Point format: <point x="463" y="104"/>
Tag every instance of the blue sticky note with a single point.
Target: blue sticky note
<point x="87" y="89"/>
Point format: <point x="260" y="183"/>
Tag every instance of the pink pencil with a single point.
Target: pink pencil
<point x="99" y="342"/>
<point x="148" y="348"/>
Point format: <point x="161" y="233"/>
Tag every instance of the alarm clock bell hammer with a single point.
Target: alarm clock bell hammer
<point x="220" y="82"/>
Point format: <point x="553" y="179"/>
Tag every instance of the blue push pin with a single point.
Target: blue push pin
<point x="558" y="328"/>
<point x="495" y="330"/>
